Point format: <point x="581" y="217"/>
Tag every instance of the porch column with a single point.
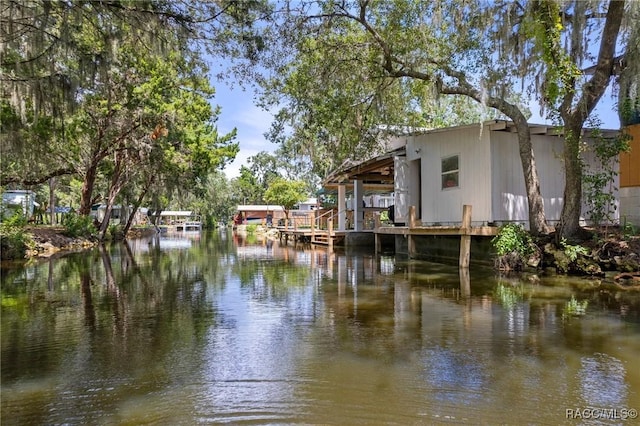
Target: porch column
<point x="358" y="211"/>
<point x="342" y="207"/>
<point x="401" y="174"/>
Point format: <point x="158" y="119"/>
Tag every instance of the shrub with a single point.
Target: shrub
<point x="14" y="240"/>
<point x="513" y="245"/>
<point x="571" y="251"/>
<point x="78" y="226"/>
<point x="512" y="238"/>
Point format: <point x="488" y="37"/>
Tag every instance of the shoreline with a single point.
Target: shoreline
<point x="50" y="240"/>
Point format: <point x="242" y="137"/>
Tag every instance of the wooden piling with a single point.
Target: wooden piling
<point x="411" y="244"/>
<point x="330" y="234"/>
<point x="465" y="237"/>
<point x="378" y="243"/>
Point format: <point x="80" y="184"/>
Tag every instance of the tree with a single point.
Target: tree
<point x="117" y="88"/>
<point x="54" y="55"/>
<point x="364" y="63"/>
<point x="370" y="58"/>
<point x="246" y="188"/>
<point x="286" y="193"/>
<point x="559" y="33"/>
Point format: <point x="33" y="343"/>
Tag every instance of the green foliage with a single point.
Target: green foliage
<point x="14" y="239"/>
<point x="629" y="230"/>
<point x="285" y="193"/>
<point x="573" y="251"/>
<point x="598" y="182"/>
<point x="544" y="26"/>
<point x="251" y="228"/>
<point x="133" y="112"/>
<point x="76" y="225"/>
<point x="513" y="238"/>
<point x="629" y="110"/>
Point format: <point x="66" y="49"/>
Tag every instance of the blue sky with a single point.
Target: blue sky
<point x="239" y="111"/>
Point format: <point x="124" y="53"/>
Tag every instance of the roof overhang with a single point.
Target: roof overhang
<point x="375" y="173"/>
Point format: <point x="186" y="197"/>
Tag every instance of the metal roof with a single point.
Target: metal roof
<point x="259" y="208"/>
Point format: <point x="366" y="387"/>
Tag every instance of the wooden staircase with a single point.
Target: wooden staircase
<point x="320" y="237"/>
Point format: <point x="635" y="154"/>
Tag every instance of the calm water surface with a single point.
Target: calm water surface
<point x="214" y="328"/>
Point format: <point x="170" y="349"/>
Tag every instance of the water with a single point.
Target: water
<point x="214" y="329"/>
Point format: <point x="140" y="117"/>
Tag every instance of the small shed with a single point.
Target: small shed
<point x="309" y="204"/>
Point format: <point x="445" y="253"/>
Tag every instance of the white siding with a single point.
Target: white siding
<point x="444" y="206"/>
<point x="630" y="205"/>
<point x="509" y="195"/>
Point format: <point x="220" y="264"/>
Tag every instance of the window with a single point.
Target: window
<point x="450" y="172"/>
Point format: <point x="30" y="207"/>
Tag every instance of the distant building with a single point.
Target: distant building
<point x="18" y="200"/>
<point x="259" y="213"/>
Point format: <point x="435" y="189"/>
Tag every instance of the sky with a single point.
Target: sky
<point x="238" y="111"/>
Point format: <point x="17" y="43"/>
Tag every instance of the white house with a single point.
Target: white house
<point x="438" y="171"/>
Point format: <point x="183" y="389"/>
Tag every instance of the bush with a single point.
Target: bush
<point x="571" y="251"/>
<point x="78" y="226"/>
<point x="14" y="240"/>
<point x="512" y="238"/>
<point x="514" y="246"/>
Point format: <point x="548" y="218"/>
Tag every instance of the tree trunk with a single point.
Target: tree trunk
<point x="87" y="189"/>
<point x="574" y="115"/>
<point x="117" y="182"/>
<point x="52" y="200"/>
<point x="537" y="218"/>
<point x="569" y="226"/>
<point x="136" y="206"/>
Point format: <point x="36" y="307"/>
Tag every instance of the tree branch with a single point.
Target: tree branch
<point x="604" y="69"/>
<point x="6" y="180"/>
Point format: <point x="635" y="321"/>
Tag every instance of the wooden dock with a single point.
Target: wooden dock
<point x="414" y="228"/>
<point x="328" y="237"/>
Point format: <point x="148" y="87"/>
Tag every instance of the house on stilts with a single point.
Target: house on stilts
<point x="449" y="185"/>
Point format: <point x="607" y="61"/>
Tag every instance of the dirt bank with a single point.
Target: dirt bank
<point x="51" y="239"/>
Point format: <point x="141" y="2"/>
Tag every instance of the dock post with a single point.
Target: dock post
<point x="330" y="234"/>
<point x="411" y="244"/>
<point x="465" y="236"/>
<point x="376" y="225"/>
<point x="313" y="230"/>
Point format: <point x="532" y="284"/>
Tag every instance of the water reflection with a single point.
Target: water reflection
<point x="216" y="328"/>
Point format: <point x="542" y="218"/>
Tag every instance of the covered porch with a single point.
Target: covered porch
<point x="394" y="183"/>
